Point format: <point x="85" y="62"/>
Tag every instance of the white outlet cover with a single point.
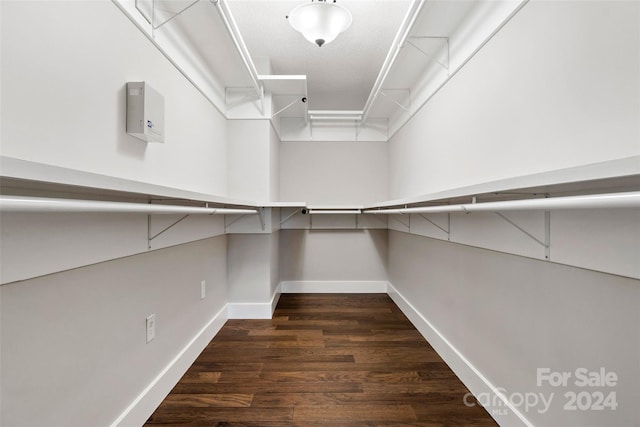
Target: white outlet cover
<point x="203" y="289"/>
<point x="151" y="327"/>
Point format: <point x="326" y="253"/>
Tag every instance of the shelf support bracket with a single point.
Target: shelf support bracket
<point x="546" y="243"/>
<point x="289" y="105"/>
<point x="291" y="215"/>
<point x="444" y="64"/>
<point x="445" y="230"/>
<point x="152" y="20"/>
<point x="227" y="225"/>
<point x="404" y="107"/>
<point x="402" y="222"/>
<point x="261" y="216"/>
<point x="164" y="229"/>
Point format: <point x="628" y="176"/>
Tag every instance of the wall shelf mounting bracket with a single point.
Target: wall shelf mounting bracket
<point x="150" y="237"/>
<point x="230" y="223"/>
<point x="387" y="93"/>
<point x="547" y="234"/>
<point x="157" y="16"/>
<point x="445" y="230"/>
<point x="425" y="43"/>
<point x="289" y="105"/>
<point x="408" y="225"/>
<point x="261" y="216"/>
<point x="291" y="215"/>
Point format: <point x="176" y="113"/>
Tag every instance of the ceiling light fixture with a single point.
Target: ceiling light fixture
<point x="320" y="21"/>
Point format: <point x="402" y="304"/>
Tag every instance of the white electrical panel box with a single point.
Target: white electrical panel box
<point x="145" y="112"/>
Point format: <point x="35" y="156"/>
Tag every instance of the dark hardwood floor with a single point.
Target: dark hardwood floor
<point x="323" y="360"/>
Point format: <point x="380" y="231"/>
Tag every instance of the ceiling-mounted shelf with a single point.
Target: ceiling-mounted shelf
<point x="284" y="84"/>
<point x="434" y="50"/>
<point x="202" y="27"/>
<point x="434" y="42"/>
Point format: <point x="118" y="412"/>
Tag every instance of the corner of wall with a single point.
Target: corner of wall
<point x="254" y="310"/>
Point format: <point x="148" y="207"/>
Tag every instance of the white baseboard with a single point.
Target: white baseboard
<point x="477" y="383"/>
<point x="143" y="406"/>
<point x="331" y="287"/>
<point x="250" y="310"/>
<point x="254" y="310"/>
<point x="275" y="299"/>
<point x="264" y="310"/>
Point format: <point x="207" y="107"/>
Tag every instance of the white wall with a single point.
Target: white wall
<point x="509" y="315"/>
<point x="343" y="173"/>
<point x="253" y="275"/>
<point x="65" y="65"/>
<point x="557" y="87"/>
<point x="536" y="98"/>
<point x="338" y="256"/>
<point x="249" y="267"/>
<point x="249" y="160"/>
<point x="73" y="330"/>
<point x="73" y="343"/>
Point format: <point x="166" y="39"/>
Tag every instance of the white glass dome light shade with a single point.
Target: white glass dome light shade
<point x="320" y="22"/>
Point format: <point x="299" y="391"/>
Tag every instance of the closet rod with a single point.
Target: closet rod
<point x="43" y="204"/>
<point x="334" y="212"/>
<point x="403" y="33"/>
<point x="593" y="201"/>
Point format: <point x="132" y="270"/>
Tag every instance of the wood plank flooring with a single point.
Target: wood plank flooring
<point x="323" y="360"/>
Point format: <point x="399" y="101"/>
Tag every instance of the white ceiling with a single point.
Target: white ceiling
<point x="341" y="74"/>
<point x="442" y="36"/>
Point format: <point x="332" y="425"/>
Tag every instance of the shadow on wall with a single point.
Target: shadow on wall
<point x="292" y="251"/>
<point x="381" y="245"/>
